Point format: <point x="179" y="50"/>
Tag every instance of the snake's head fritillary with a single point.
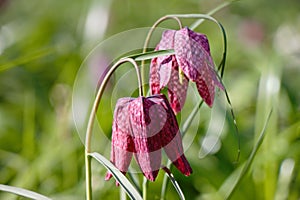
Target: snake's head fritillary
<point x="143" y="127"/>
<point x="193" y="58"/>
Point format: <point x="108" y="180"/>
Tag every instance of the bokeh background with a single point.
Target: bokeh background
<point x="43" y="44"/>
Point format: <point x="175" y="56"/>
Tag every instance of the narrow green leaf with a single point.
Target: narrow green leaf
<point x="229" y="186"/>
<point x="218" y="8"/>
<point x="190" y="118"/>
<point x="23" y="192"/>
<point x="151" y="54"/>
<point x="174" y="182"/>
<point x="25" y="59"/>
<point x="124" y="182"/>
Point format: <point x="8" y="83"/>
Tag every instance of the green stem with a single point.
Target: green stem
<point x="185" y="127"/>
<point x="218" y="8"/>
<point x="145" y="186"/>
<point x="93" y="116"/>
<point x="88" y="175"/>
<point x="251" y="157"/>
<point x="207" y="17"/>
<point x="135" y="182"/>
<point x="147" y="40"/>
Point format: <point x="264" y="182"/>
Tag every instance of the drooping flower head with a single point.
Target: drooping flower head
<point x="142" y="127"/>
<point x="192" y="57"/>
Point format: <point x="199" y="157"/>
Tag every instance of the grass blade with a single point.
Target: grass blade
<point x="25" y="59"/>
<point x="228" y="187"/>
<point x="174" y="182"/>
<point x="124" y="182"/>
<point x="151" y="54"/>
<point x="218" y="8"/>
<point x="23" y="192"/>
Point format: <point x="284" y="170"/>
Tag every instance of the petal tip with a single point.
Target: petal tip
<point x="183" y="166"/>
<point x="108" y="176"/>
<point x="151" y="176"/>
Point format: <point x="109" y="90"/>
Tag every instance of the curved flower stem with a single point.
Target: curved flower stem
<point x="208" y="17"/>
<point x="93" y="116"/>
<point x="145" y="186"/>
<point x="220" y="7"/>
<point x="147" y="40"/>
<point x="185" y="127"/>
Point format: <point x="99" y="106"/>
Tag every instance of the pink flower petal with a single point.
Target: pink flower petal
<point x="167" y="40"/>
<point x="154" y="77"/>
<point x="164" y="62"/>
<point x="122" y="144"/>
<point x="142" y="126"/>
<point x="146" y="140"/>
<point x="193" y="56"/>
<point x="165" y="70"/>
<point x="177" y="91"/>
<point x="160" y="68"/>
<point x="172" y="143"/>
<point x="201" y="39"/>
<point x="205" y="92"/>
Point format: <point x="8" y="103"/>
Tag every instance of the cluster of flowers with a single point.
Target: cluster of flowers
<point x="143" y="126"/>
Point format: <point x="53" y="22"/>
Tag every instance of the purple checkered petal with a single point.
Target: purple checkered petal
<point x="122" y="145"/>
<point x="167" y="40"/>
<point x="154" y="80"/>
<point x="172" y="142"/>
<point x="193" y="56"/>
<point x="165" y="71"/>
<point x="143" y="126"/>
<point x="176" y="90"/>
<point x="160" y="68"/>
<point x="206" y="87"/>
<point x="146" y="123"/>
<point x="200" y="39"/>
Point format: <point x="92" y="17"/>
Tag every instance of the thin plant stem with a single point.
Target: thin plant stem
<point x="145" y="186"/>
<point x="185" y="127"/>
<point x="218" y="8"/>
<point x="251" y="157"/>
<point x="174" y="182"/>
<point x="93" y="116"/>
<point x="207" y="17"/>
<point x="88" y="176"/>
<point x="134" y="182"/>
<point x="147" y="40"/>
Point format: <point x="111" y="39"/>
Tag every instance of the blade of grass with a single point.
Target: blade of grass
<point x="185" y="127"/>
<point x="124" y="182"/>
<point x="228" y="188"/>
<point x="174" y="182"/>
<point x="23" y="192"/>
<point x="25" y="59"/>
<point x="151" y="54"/>
<point x="218" y="8"/>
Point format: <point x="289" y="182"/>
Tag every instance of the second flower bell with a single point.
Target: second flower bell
<point x="142" y="127"/>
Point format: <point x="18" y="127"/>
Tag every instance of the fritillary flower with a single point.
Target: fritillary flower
<point x="192" y="61"/>
<point x="142" y="127"/>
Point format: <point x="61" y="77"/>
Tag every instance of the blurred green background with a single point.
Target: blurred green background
<point x="42" y="46"/>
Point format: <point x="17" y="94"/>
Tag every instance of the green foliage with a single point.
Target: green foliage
<point x="120" y="178"/>
<point x="22" y="192"/>
<point x="42" y="45"/>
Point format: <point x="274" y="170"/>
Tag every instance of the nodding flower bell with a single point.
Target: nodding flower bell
<point x="142" y="127"/>
<point x="191" y="61"/>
